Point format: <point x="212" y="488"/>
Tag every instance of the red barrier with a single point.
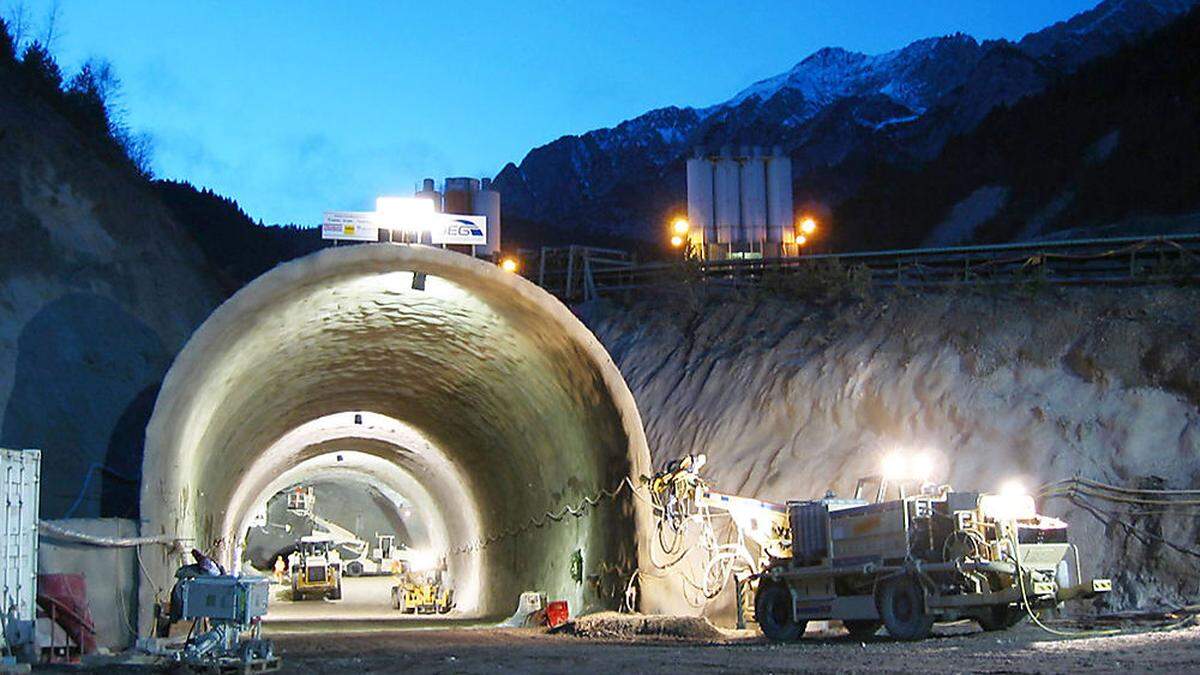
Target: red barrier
<point x="557" y="613"/>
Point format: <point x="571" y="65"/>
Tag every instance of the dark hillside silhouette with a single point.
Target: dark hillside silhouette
<point x="1117" y="139"/>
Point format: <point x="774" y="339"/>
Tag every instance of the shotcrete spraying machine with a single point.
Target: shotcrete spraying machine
<point x="916" y="554"/>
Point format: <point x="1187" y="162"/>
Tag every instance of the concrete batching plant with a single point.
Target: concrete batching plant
<point x="740" y="205"/>
<point x="471" y="196"/>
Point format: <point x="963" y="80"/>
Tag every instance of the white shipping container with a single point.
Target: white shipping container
<point x="20" y="470"/>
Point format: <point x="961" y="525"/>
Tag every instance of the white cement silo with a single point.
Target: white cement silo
<point x="754" y="196"/>
<point x="700" y="196"/>
<point x="779" y="195"/>
<point x="486" y="202"/>
<point x="727" y="202"/>
<point x="428" y="191"/>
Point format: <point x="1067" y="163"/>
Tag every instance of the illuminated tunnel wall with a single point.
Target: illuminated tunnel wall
<point x="503" y="405"/>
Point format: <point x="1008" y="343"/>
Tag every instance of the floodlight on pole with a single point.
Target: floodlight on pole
<point x="409" y="214"/>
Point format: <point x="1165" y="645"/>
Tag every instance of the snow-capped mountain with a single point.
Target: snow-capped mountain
<point x="835" y="112"/>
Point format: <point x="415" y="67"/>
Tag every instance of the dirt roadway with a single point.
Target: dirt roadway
<point x="491" y="650"/>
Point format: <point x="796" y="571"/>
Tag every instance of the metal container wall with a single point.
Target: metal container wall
<point x="487" y="203"/>
<point x="780" y="213"/>
<point x="20" y="471"/>
<point x="700" y="197"/>
<point x="727" y="201"/>
<point x="874" y="532"/>
<point x="809" y="521"/>
<point x="754" y="197"/>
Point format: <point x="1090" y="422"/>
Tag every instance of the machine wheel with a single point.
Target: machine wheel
<point x="397" y="602"/>
<point x="902" y="606"/>
<point x="999" y="617"/>
<point x="354" y="569"/>
<point x="336" y="593"/>
<point x="774" y="614"/>
<point x="861" y="629"/>
<point x="297" y="596"/>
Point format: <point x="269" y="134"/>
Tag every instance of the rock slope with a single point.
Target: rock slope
<point x="99" y="288"/>
<point x="789" y="399"/>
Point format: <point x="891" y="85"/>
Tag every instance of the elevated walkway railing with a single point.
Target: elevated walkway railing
<point x="579" y="273"/>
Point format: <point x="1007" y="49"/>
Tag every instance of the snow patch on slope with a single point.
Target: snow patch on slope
<point x="966" y="216"/>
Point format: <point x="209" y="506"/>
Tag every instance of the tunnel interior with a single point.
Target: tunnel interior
<point x="458" y="388"/>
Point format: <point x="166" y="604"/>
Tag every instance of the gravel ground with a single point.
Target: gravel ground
<point x="321" y="649"/>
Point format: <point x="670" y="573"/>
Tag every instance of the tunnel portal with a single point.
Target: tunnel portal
<point x="469" y="390"/>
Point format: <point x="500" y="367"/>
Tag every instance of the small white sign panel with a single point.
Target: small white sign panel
<point x="350" y="225"/>
<point x="452" y="228"/>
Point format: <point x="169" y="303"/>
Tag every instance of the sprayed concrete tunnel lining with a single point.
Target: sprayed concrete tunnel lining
<point x="503" y="407"/>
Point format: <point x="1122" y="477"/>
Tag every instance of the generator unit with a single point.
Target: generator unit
<point x="227" y="611"/>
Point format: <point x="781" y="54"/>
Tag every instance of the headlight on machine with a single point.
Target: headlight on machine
<point x="1013" y="503"/>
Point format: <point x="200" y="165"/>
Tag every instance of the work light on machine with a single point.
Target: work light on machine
<point x="509" y="265"/>
<point x="900" y="466"/>
<point x="1013" y="503"/>
<point x="680" y="226"/>
<point x="808" y="225"/>
<point x="676" y="241"/>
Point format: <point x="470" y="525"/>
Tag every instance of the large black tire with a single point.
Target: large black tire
<point x="774" y="613"/>
<point x="902" y="606"/>
<point x="1000" y="617"/>
<point x="336" y="593"/>
<point x="354" y="569"/>
<point x="861" y="629"/>
<point x="397" y="601"/>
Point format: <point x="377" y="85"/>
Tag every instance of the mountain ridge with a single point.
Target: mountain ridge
<point x="833" y="111"/>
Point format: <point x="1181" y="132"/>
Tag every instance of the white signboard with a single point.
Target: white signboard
<point x="452" y="228"/>
<point x="350" y="225"/>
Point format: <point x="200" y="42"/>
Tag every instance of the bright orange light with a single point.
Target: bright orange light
<point x="508" y="265"/>
<point x="801" y="240"/>
<point x="677" y="241"/>
<point x="681" y="226"/>
<point x="808" y="225"/>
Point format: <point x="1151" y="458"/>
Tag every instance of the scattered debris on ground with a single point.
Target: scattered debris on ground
<point x="614" y="625"/>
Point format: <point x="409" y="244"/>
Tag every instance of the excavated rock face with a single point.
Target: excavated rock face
<point x="789" y="399"/>
<point x="500" y="404"/>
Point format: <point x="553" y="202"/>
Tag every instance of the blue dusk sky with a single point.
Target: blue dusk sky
<point x="296" y="107"/>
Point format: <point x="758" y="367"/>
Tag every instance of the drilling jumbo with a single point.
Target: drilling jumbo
<point x="928" y="554"/>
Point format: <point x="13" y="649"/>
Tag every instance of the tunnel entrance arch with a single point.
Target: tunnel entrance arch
<point x="518" y="398"/>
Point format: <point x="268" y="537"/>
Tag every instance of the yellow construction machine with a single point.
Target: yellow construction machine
<point x="422" y="588"/>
